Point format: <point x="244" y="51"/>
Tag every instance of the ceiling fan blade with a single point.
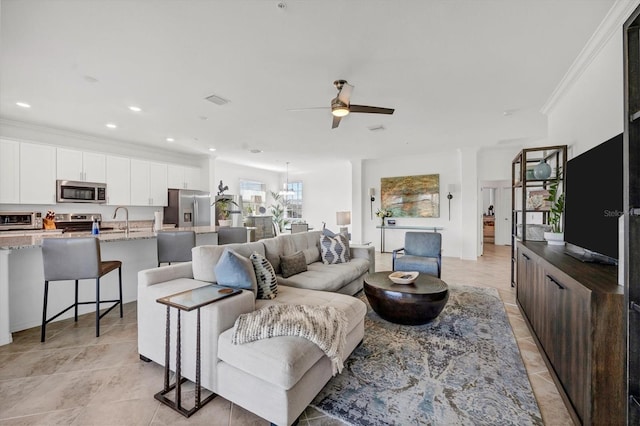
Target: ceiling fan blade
<point x="335" y="122"/>
<point x="306" y="109"/>
<point x="370" y="109"/>
<point x="345" y="93"/>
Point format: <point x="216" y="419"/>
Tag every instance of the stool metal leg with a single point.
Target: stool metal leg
<point x="76" y="304"/>
<point x="120" y="285"/>
<point x="44" y="311"/>
<point x="97" y="307"/>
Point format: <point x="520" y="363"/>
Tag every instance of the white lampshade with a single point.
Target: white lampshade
<point x="343" y="218"/>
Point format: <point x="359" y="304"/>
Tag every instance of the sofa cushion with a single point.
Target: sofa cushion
<point x="284" y="360"/>
<point x="206" y="257"/>
<point x="235" y="270"/>
<point x="327" y="277"/>
<point x="334" y="249"/>
<point x="265" y="276"/>
<point x="273" y="248"/>
<point x="293" y="264"/>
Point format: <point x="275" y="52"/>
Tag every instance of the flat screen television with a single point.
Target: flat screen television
<point x="594" y="201"/>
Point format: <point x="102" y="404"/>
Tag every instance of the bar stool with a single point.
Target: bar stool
<point x="76" y="259"/>
<point x="175" y="246"/>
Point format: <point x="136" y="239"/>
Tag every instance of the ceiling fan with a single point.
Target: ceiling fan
<point x="341" y="106"/>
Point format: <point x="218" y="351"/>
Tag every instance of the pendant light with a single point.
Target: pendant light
<point x="285" y="186"/>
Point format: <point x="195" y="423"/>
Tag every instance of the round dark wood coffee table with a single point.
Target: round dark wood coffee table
<point x="410" y="304"/>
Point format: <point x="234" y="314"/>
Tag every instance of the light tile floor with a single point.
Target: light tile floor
<point x="76" y="379"/>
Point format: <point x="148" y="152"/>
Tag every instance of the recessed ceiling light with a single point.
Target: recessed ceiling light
<point x="171" y="140"/>
<point x="90" y="79"/>
<point x="212" y="149"/>
<point x="111" y="125"/>
<point x="23" y="104"/>
<point x="255" y="151"/>
<point x="135" y="108"/>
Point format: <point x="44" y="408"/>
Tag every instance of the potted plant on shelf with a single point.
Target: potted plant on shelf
<point x="555" y="236"/>
<point x="224" y="210"/>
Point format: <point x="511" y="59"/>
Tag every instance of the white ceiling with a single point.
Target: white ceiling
<point x="450" y="68"/>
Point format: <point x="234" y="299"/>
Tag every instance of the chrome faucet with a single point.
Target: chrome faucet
<point x="126" y="218"/>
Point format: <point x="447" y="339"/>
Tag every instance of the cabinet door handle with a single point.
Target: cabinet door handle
<point x="560" y="286"/>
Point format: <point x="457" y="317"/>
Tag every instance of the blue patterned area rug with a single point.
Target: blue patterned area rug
<point x="463" y="368"/>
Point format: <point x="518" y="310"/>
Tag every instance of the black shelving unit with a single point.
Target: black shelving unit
<point x="522" y="185"/>
<point x="631" y="168"/>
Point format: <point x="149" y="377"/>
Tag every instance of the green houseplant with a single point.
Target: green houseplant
<point x="224" y="210"/>
<point x="278" y="209"/>
<point x="555" y="236"/>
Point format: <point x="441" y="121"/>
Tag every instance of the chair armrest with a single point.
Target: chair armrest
<point x="153" y="276"/>
<point x="366" y="252"/>
<point x="393" y="260"/>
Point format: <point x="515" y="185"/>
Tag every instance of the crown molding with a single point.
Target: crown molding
<point x="107" y="145"/>
<point x="610" y="25"/>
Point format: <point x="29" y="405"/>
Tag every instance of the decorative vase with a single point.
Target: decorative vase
<point x="554" y="238"/>
<point x="542" y="170"/>
<point x="382" y="221"/>
<point x="224" y="223"/>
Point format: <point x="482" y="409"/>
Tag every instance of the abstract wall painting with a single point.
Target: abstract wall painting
<point x="411" y="196"/>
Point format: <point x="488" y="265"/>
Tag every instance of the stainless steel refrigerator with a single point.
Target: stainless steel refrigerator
<point x="188" y="208"/>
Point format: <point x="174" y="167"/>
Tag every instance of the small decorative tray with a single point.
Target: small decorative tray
<point x="403" y="277"/>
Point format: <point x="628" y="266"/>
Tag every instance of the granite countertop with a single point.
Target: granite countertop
<point x="12" y="242"/>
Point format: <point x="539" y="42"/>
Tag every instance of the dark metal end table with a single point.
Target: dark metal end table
<point x="411" y="304"/>
<point x="187" y="301"/>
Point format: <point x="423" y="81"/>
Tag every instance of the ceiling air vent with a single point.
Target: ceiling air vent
<point x="217" y="100"/>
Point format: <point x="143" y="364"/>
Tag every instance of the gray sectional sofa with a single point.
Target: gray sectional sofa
<point x="274" y="378"/>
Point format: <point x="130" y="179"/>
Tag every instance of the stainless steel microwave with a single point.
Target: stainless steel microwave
<point x="69" y="191"/>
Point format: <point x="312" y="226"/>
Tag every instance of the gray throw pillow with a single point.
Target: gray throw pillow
<point x="234" y="270"/>
<point x="334" y="249"/>
<point x="265" y="275"/>
<point x="293" y="264"/>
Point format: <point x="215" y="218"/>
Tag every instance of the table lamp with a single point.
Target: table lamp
<point x="343" y="219"/>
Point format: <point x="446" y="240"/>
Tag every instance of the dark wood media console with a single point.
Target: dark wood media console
<point x="575" y="312"/>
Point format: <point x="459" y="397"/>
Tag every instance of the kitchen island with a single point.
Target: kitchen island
<point x="22" y="276"/>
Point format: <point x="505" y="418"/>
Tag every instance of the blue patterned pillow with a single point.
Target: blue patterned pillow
<point x="265" y="275"/>
<point x="235" y="270"/>
<point x="334" y="249"/>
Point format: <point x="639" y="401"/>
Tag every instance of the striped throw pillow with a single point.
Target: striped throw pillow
<point x="334" y="249"/>
<point x="265" y="275"/>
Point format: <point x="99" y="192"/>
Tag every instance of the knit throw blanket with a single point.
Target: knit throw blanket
<point x="325" y="326"/>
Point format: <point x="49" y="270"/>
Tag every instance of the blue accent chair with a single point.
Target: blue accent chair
<point x="422" y="253"/>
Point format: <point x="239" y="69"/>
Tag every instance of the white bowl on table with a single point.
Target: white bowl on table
<point x="403" y="277"/>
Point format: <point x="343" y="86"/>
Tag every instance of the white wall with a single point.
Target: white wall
<point x="591" y="110"/>
<point x="444" y="164"/>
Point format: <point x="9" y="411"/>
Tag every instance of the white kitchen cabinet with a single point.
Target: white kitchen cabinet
<point x="118" y="180"/>
<point x="148" y="183"/>
<point x="81" y="166"/>
<point x="183" y="177"/>
<point x="9" y="172"/>
<point x="37" y="174"/>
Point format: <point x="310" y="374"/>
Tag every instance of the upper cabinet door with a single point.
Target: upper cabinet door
<point x="158" y="184"/>
<point x="139" y="183"/>
<point x="9" y="172"/>
<point x="81" y="166"/>
<point x="118" y="181"/>
<point x="183" y="177"/>
<point x="192" y="178"/>
<point x="69" y="164"/>
<point x="94" y="167"/>
<point x="175" y="177"/>
<point x="37" y="174"/>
